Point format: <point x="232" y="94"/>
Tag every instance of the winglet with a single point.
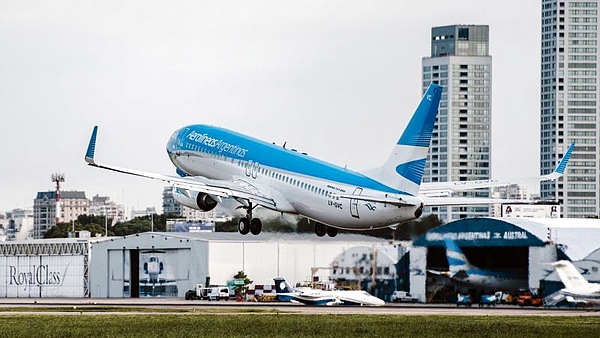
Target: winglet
<point x="562" y="165"/>
<point x="560" y="168"/>
<point x="89" y="154"/>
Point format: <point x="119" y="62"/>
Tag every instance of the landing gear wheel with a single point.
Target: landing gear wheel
<point x="255" y="226"/>
<point x="331" y="231"/>
<point x="320" y="229"/>
<point x="244" y="226"/>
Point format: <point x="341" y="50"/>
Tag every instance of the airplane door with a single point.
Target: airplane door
<point x="354" y="203"/>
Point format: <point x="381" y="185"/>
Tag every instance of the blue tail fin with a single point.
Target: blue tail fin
<point x="457" y="261"/>
<point x="404" y="168"/>
<point x="283" y="289"/>
<point x="281" y="286"/>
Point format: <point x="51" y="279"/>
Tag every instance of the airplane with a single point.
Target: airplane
<point x="153" y="268"/>
<point x="577" y="289"/>
<point x="214" y="163"/>
<point x="310" y="296"/>
<point x="460" y="270"/>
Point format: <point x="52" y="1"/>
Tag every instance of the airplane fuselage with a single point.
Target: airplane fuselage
<point x="589" y="295"/>
<point x="493" y="279"/>
<point x="297" y="183"/>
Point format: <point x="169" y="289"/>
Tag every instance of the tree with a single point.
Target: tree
<point x="409" y="230"/>
<point x="240" y="290"/>
<point x="304" y="226"/>
<point x="277" y="225"/>
<point x="228" y="226"/>
<point x="96" y="226"/>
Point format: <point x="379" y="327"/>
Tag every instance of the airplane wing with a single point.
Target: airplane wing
<point x="446" y="188"/>
<point x="215" y="188"/>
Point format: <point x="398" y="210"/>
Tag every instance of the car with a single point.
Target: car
<point x="403" y="297"/>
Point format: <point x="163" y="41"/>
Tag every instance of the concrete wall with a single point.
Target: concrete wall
<point x="540" y="263"/>
<point x="418" y="273"/>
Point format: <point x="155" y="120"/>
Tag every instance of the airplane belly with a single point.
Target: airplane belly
<point x="341" y="214"/>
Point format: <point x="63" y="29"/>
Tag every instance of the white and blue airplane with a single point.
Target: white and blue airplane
<point x="577" y="289"/>
<point x="310" y="296"/>
<point x="460" y="270"/>
<point x="214" y="163"/>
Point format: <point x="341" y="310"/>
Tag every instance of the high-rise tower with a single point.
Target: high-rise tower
<point x="460" y="146"/>
<point x="569" y="104"/>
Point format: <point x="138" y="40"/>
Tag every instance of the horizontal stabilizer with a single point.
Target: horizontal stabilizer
<point x="440" y="189"/>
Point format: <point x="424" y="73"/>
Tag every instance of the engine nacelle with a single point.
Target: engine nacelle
<point x="194" y="199"/>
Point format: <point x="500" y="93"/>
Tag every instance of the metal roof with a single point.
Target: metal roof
<point x="269" y="237"/>
<point x="578" y="237"/>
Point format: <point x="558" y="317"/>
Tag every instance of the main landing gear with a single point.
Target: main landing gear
<point x="249" y="224"/>
<point x="322" y="229"/>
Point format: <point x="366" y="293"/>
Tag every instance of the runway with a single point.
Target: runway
<point x="179" y="306"/>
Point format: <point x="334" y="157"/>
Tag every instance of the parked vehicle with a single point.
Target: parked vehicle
<point x="463" y="299"/>
<point x="489" y="300"/>
<point x="503" y="297"/>
<point x="529" y="299"/>
<point x="207" y="293"/>
<point x="403" y="297"/>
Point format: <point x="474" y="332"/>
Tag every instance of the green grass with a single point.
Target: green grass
<point x="286" y="325"/>
<point x="86" y="309"/>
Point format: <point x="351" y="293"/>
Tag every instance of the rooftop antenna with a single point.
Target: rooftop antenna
<point x="57" y="178"/>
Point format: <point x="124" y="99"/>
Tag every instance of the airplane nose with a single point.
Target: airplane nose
<point x="175" y="141"/>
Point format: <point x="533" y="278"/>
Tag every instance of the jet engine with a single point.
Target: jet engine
<point x="194" y="199"/>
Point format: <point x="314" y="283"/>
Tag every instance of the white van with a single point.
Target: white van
<point x="218" y="293"/>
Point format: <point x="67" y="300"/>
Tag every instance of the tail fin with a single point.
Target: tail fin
<point x="457" y="261"/>
<point x="569" y="275"/>
<point x="404" y="168"/>
<point x="281" y="286"/>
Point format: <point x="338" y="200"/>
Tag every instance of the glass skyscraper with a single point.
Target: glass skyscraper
<point x="569" y="104"/>
<point x="460" y="144"/>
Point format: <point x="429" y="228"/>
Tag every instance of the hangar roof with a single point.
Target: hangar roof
<point x="271" y="237"/>
<point x="576" y="237"/>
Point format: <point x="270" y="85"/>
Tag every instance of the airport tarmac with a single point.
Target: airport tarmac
<point x="181" y="306"/>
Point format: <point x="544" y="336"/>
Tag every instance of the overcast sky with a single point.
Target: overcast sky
<point x="336" y="79"/>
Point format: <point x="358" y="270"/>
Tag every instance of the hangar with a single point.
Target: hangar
<point x="44" y="268"/>
<point x="168" y="264"/>
<point x="527" y="245"/>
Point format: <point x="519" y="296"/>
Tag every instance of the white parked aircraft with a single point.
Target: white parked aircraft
<point x="310" y="296"/>
<point x="577" y="289"/>
<point x="215" y="163"/>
